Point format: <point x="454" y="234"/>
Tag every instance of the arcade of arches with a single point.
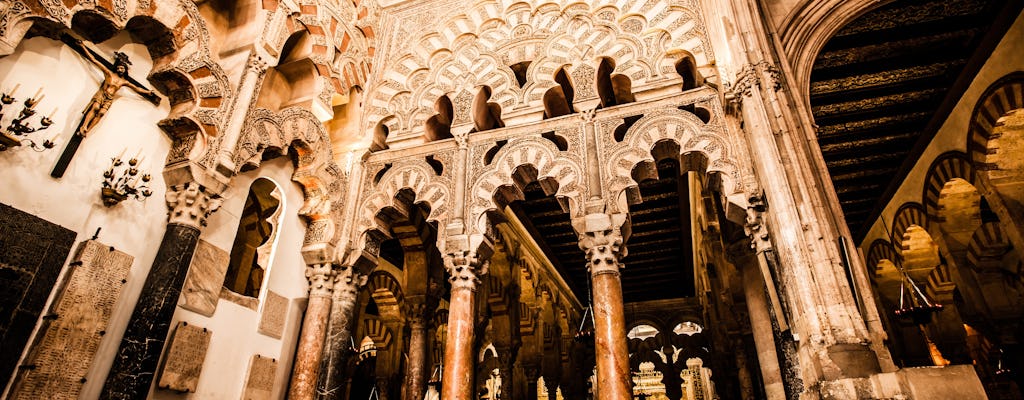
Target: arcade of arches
<point x="498" y="199"/>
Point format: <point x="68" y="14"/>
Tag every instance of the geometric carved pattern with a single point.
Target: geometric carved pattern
<point x="477" y="46"/>
<point x="413" y="174"/>
<point x="681" y="127"/>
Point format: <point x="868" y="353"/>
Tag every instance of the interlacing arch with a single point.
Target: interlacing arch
<point x="498" y="181"/>
<point x="479" y="47"/>
<point x="184" y="69"/>
<point x="295" y="129"/>
<point x="692" y="136"/>
<point x="415" y="175"/>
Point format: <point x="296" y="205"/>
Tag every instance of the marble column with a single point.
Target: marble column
<point x="347" y="283"/>
<point x="464" y="270"/>
<point x="417" y="368"/>
<point x="309" y="353"/>
<point x="135" y="364"/>
<point x="761" y="327"/>
<point x="603" y="243"/>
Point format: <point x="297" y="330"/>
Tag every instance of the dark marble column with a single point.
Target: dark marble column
<point x="309" y="352"/>
<point x="602" y="241"/>
<point x="464" y="268"/>
<point x="136" y="361"/>
<point x="416" y="368"/>
<point x="347" y="284"/>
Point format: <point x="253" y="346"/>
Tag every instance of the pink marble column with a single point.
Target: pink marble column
<point x="464" y="269"/>
<point x="310" y="350"/>
<point x="602" y="242"/>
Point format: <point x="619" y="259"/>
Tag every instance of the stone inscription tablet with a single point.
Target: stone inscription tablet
<point x="273" y="317"/>
<point x="184" y="360"/>
<point x="69" y="342"/>
<point x="205" y="278"/>
<point x="260" y="383"/>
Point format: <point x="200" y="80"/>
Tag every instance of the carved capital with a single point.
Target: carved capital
<point x="588" y="115"/>
<point x="321" y="279"/>
<point x="754" y="225"/>
<point x="465" y="269"/>
<point x="256" y="63"/>
<point x="347" y="282"/>
<point x="752" y="76"/>
<point x="190" y="204"/>
<point x="603" y="249"/>
<point x="418" y="314"/>
<point x="601" y="239"/>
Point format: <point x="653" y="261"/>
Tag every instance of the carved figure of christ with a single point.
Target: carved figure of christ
<point x="115" y="76"/>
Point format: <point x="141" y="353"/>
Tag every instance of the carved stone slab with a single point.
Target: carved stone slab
<point x="32" y="254"/>
<point x="274" y="315"/>
<point x="69" y="342"/>
<point x="260" y="383"/>
<point x="205" y="278"/>
<point x="184" y="360"/>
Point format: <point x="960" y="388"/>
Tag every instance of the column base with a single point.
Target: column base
<point x="922" y="383"/>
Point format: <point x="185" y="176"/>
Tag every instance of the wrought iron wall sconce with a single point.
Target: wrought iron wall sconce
<point x="122" y="181"/>
<point x="19" y="128"/>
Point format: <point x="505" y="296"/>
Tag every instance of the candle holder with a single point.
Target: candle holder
<point x="16" y="132"/>
<point x="121" y="182"/>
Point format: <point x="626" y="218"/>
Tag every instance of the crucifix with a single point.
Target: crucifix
<point x="115" y="76"/>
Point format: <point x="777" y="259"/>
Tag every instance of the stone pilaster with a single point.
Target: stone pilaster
<point x="602" y="240"/>
<point x="135" y="364"/>
<point x="255" y="69"/>
<point x="309" y="353"/>
<point x="348" y="281"/>
<point x="464" y="271"/>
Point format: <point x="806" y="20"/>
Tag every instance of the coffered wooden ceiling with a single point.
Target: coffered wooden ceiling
<point x="882" y="86"/>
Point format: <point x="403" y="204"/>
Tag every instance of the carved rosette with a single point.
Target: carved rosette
<point x="190" y="204"/>
<point x="465" y="269"/>
<point x="321" y="279"/>
<point x="604" y="249"/>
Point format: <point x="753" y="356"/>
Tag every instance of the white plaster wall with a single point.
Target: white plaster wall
<point x="1007" y="57"/>
<point x="235" y="338"/>
<point x="73" y="201"/>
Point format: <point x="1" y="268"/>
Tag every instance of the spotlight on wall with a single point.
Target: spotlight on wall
<point x="18" y="129"/>
<point x="122" y="181"/>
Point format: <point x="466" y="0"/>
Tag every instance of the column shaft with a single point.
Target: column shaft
<point x="610" y="350"/>
<point x="310" y="350"/>
<point x="136" y="361"/>
<point x="135" y="364"/>
<point x="416" y="368"/>
<point x="457" y="380"/>
<point x="339" y="337"/>
<point x="761" y="326"/>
